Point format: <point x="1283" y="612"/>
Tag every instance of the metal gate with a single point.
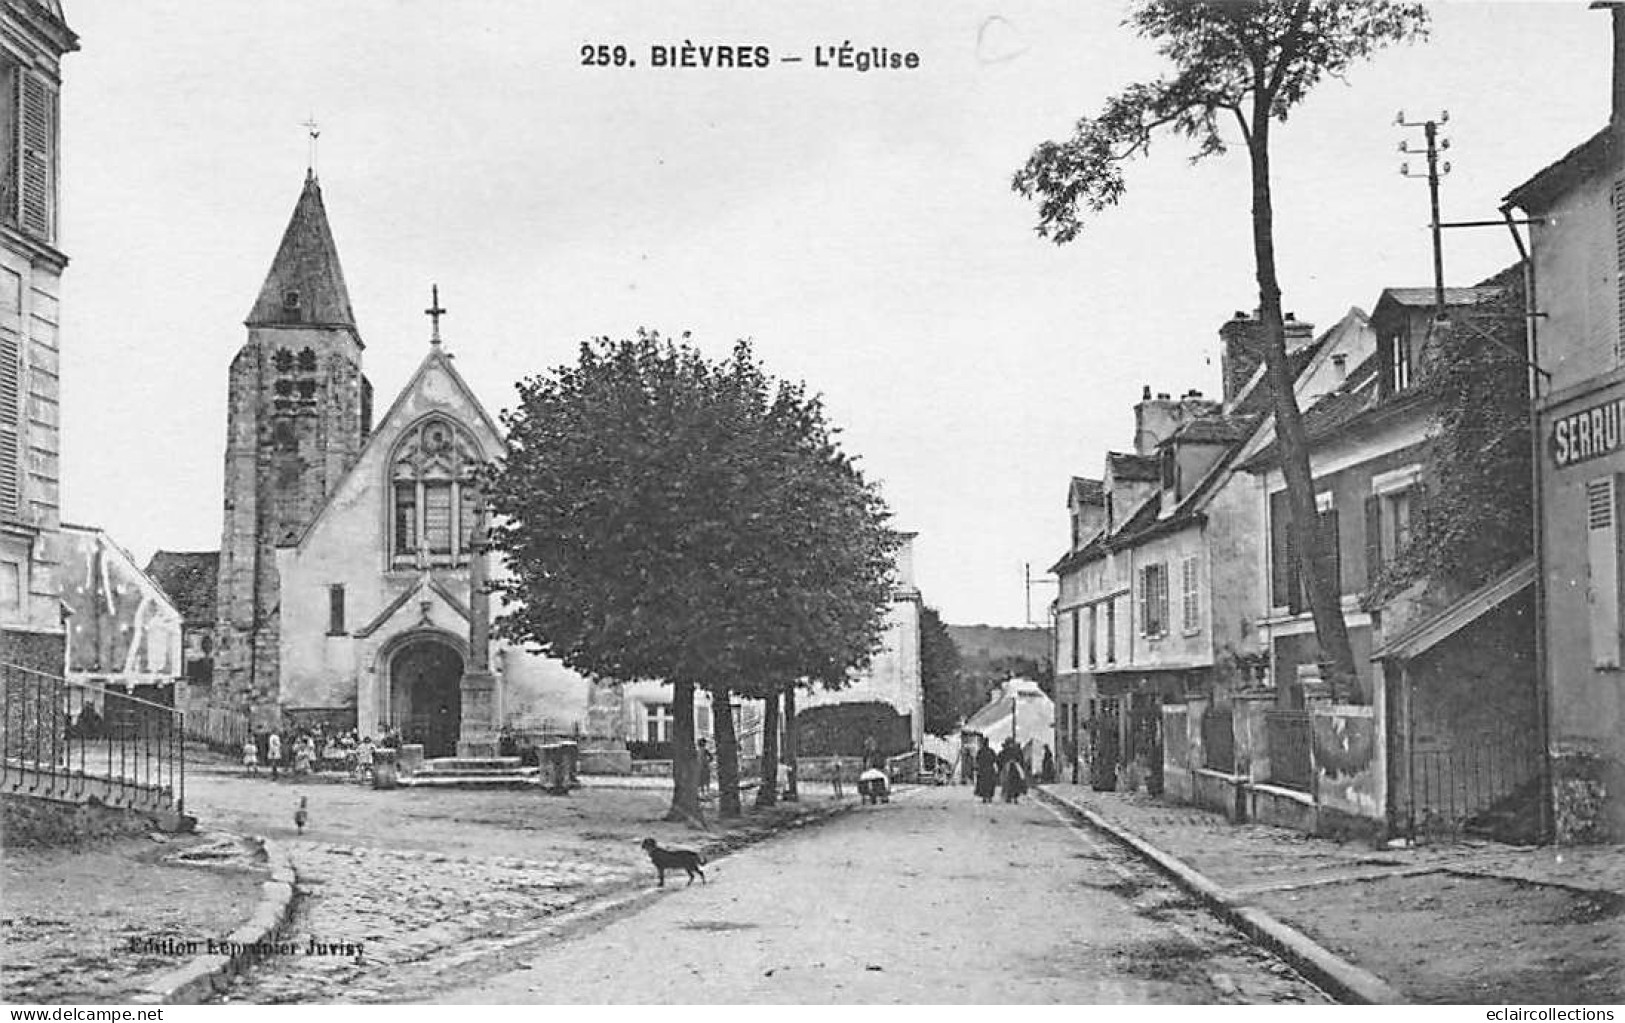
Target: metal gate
<point x="1485" y="783"/>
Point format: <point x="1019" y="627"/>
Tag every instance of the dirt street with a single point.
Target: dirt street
<point x="932" y="898"/>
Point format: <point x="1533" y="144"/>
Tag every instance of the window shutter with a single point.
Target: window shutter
<point x="1330" y="561"/>
<point x="37" y="158"/>
<point x="1619" y="266"/>
<point x="1373" y="539"/>
<point x="10" y="426"/>
<point x="1602" y="548"/>
<point x="1145" y="601"/>
<point x="1282" y="571"/>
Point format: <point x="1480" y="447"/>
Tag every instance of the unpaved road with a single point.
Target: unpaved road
<point x="933" y="898"/>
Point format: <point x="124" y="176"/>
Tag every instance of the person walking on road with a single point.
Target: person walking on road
<point x="705" y="768"/>
<point x="1012" y="773"/>
<point x="987" y="770"/>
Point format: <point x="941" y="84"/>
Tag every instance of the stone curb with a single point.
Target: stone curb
<point x="1340" y="978"/>
<point x="206" y="975"/>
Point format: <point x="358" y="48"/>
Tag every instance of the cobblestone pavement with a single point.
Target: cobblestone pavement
<point x="384" y="924"/>
<point x="932" y="898"/>
<point x="1467" y="922"/>
<point x="90" y="924"/>
<point x="406" y="891"/>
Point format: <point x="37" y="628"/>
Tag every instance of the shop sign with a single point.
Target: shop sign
<point x="1587" y="434"/>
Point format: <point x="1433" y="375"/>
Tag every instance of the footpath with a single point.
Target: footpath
<point x="1471" y="922"/>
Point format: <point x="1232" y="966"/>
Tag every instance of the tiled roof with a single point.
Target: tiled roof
<point x="1259" y="398"/>
<point x="1127" y="466"/>
<point x="1086" y="491"/>
<point x="190" y="580"/>
<point x="1424" y="297"/>
<point x="306" y="264"/>
<point x="1217" y="429"/>
<point x="1550" y="182"/>
<point x="1338" y="411"/>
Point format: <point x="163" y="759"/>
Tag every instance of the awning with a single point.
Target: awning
<point x="1430" y="632"/>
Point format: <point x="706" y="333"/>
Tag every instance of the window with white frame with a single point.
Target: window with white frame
<point x="1389" y="512"/>
<point x="432" y="495"/>
<point x="1154" y="600"/>
<point x="1190" y="600"/>
<point x="657" y="722"/>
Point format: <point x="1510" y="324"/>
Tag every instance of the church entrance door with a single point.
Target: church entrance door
<point x="426" y="690"/>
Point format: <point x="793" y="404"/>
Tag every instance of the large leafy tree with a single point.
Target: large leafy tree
<point x="1240" y="65"/>
<point x="668" y="517"/>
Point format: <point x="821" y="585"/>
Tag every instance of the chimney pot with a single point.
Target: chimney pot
<point x="1241" y="314"/>
<point x="1289" y="317"/>
<point x="1162" y="395"/>
<point x="1145" y="395"/>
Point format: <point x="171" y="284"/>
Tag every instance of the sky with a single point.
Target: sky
<point x="859" y="227"/>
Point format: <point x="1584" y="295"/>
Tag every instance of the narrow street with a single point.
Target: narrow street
<point x="932" y="898"/>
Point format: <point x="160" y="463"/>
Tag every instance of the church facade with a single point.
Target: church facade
<point x="344" y="593"/>
<point x="346" y="580"/>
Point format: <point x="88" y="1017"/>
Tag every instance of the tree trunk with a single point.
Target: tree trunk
<point x="685" y="787"/>
<point x="1325" y="595"/>
<point x="722" y="723"/>
<point x="768" y="794"/>
<point x="791" y="744"/>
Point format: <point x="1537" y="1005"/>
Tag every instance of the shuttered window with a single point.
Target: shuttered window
<point x="1329" y="562"/>
<point x="1190" y="598"/>
<point x="1283" y="560"/>
<point x="1619" y="268"/>
<point x="10" y="426"/>
<point x="36" y="104"/>
<point x="1602" y="551"/>
<point x="1373" y="539"/>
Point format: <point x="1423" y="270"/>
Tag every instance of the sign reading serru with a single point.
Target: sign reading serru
<point x="1589" y="433"/>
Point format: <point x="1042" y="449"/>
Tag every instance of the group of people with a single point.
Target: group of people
<point x="315" y="749"/>
<point x="1005" y="771"/>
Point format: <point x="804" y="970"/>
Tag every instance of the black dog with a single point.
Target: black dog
<point x="674" y="859"/>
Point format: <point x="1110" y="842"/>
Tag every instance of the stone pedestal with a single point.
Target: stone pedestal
<point x="411" y="758"/>
<point x="478" y="734"/>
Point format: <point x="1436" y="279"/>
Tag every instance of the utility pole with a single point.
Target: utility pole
<point x="1028" y="582"/>
<point x="1436" y="169"/>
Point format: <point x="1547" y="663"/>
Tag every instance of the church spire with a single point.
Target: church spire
<point x="305" y="284"/>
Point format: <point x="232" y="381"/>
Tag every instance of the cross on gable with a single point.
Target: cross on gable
<point x="434" y="312"/>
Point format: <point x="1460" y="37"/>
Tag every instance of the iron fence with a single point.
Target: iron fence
<point x="64" y="739"/>
<point x="1218" y="740"/>
<point x="1290" y="742"/>
<point x="1484" y="783"/>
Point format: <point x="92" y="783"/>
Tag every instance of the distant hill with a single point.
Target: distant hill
<point x="989" y="643"/>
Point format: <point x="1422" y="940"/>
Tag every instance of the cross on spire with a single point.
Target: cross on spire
<point x="315" y="132"/>
<point x="434" y="312"/>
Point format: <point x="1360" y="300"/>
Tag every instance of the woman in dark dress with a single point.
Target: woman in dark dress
<point x="987" y="771"/>
<point x="1013" y="775"/>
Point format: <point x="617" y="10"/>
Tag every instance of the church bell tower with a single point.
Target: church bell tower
<point x="298" y="411"/>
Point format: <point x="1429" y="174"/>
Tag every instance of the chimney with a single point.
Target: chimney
<point x="1243" y="338"/>
<point x="1241" y="353"/>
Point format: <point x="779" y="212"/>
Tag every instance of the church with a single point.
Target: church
<point x="346" y="587"/>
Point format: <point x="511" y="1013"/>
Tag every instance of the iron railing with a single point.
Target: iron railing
<point x="1290" y="744"/>
<point x="64" y="739"/>
<point x="1484" y="783"/>
<point x="1218" y="740"/>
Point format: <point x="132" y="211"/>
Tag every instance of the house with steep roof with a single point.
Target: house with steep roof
<point x="1438" y="728"/>
<point x="1158" y="598"/>
<point x="1577" y="335"/>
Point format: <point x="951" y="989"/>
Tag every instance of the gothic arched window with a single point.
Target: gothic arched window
<point x="431" y="494"/>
